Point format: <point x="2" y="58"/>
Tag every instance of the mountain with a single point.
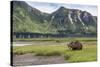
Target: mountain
<point x="62" y="21"/>
<point x="73" y="20"/>
<point x="27" y="18"/>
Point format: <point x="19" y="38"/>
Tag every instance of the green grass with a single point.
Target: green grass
<point x="89" y="52"/>
<point x="49" y="53"/>
<point x="81" y="39"/>
<point x="52" y="49"/>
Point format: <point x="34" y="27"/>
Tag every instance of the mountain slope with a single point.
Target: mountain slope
<point x="62" y="21"/>
<point x="73" y="20"/>
<point x="26" y="18"/>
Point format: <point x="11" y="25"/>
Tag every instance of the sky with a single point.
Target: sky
<point x="51" y="7"/>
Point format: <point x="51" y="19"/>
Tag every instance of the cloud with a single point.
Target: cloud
<point x="51" y="7"/>
<point x="44" y="7"/>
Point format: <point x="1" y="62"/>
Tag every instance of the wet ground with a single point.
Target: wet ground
<point x="29" y="59"/>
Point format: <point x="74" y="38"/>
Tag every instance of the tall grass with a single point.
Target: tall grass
<point x="85" y="39"/>
<point x="89" y="52"/>
<point x="36" y="49"/>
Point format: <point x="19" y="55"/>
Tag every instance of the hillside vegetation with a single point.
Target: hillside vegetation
<point x="62" y="21"/>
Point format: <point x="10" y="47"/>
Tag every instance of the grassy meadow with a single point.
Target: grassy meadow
<point x="58" y="47"/>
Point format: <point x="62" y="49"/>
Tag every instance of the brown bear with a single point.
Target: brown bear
<point x="75" y="45"/>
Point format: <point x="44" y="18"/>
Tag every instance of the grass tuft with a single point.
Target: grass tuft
<point x="53" y="53"/>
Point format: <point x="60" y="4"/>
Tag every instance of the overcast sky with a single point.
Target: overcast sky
<point x="51" y="7"/>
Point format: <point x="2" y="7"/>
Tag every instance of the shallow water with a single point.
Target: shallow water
<point x="21" y="44"/>
<point x="38" y="43"/>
